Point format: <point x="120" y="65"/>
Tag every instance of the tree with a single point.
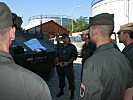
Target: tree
<point x="80" y="24"/>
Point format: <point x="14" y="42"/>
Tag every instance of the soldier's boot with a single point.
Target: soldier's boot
<point x="61" y="92"/>
<point x="72" y="94"/>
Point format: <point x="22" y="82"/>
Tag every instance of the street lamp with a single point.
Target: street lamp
<point x="59" y="12"/>
<point x="78" y="6"/>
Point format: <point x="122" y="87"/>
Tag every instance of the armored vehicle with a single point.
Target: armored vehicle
<point x="34" y="52"/>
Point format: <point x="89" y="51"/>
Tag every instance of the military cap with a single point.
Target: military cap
<point x="102" y="19"/>
<point x="126" y="27"/>
<point x="85" y="31"/>
<point x="5" y="16"/>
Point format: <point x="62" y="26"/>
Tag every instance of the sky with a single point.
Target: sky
<point x="29" y="8"/>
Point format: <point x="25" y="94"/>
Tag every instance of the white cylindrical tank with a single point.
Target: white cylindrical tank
<point x="37" y="20"/>
<point x="122" y="10"/>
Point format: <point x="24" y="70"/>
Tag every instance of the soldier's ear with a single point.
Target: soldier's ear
<point x="12" y="33"/>
<point x="96" y="30"/>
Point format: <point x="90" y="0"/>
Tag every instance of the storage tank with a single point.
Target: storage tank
<point x="63" y="20"/>
<point x="122" y="10"/>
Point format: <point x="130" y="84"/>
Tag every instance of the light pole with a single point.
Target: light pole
<point x="128" y="11"/>
<point x="73" y="17"/>
<point x="59" y="12"/>
<point x="41" y="24"/>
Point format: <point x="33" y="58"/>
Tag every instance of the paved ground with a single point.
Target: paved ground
<point x="53" y="84"/>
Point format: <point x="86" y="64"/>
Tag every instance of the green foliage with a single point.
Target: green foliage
<point x="80" y="24"/>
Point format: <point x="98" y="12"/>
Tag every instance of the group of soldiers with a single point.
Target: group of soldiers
<point x="106" y="72"/>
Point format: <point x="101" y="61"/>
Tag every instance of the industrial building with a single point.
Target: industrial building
<point x="62" y="20"/>
<point x="50" y="29"/>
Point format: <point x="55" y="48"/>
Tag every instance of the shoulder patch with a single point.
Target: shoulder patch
<point x="82" y="90"/>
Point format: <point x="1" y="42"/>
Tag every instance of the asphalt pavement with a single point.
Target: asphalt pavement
<point x="54" y="84"/>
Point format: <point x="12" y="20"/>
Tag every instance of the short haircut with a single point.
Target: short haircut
<point x="106" y="30"/>
<point x="3" y="31"/>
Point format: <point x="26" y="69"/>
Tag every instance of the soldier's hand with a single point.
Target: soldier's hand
<point x="66" y="64"/>
<point x="60" y="64"/>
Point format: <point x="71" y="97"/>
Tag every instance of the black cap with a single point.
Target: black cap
<point x="102" y="19"/>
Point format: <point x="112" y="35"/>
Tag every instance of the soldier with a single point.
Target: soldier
<point x="114" y="42"/>
<point x="65" y="57"/>
<point x="125" y="36"/>
<point x="87" y="49"/>
<point x="107" y="73"/>
<point x="16" y="83"/>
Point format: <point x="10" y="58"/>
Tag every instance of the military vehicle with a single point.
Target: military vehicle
<point x="34" y="52"/>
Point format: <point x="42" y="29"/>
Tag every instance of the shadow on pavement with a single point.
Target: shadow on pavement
<point x="53" y="85"/>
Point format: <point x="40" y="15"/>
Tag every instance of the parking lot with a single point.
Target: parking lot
<point x="53" y="84"/>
